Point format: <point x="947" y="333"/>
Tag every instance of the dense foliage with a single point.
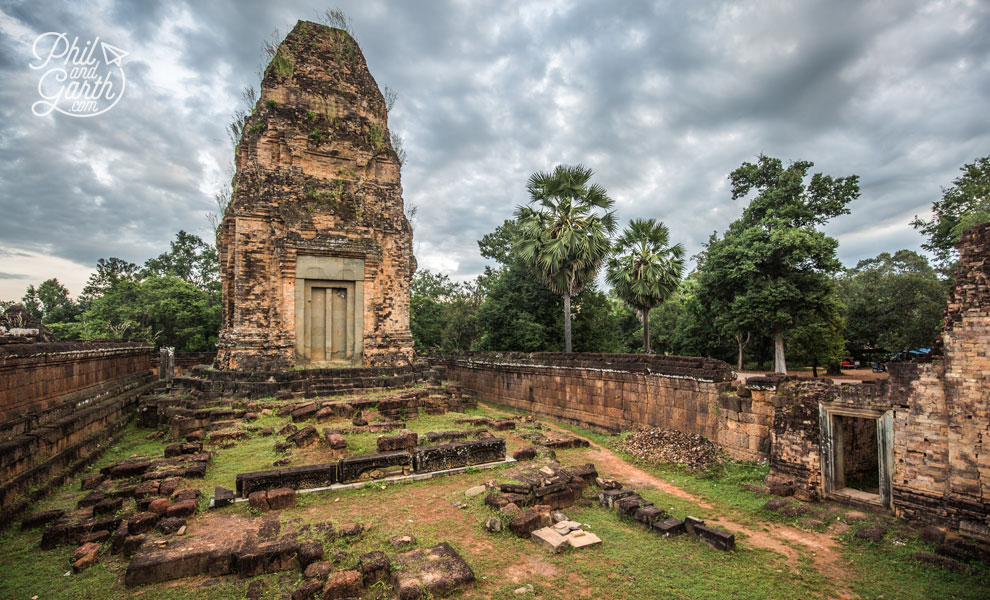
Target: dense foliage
<point x="174" y="300"/>
<point x="963" y="204"/>
<point x="772" y="269"/>
<point x="893" y="302"/>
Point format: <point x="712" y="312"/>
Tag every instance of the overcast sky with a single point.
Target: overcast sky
<point x="662" y="100"/>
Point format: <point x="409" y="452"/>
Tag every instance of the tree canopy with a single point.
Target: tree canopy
<point x="645" y="269"/>
<point x="773" y="268"/>
<point x="562" y="235"/>
<point x="174" y="300"/>
<point x="964" y="204"/>
<point x="893" y="302"/>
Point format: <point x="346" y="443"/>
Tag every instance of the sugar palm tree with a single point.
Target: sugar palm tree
<point x="564" y="231"/>
<point x="645" y="269"/>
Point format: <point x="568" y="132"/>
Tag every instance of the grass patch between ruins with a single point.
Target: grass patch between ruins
<point x="631" y="563"/>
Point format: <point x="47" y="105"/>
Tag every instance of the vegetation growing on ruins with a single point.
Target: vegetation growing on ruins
<point x="258" y="126"/>
<point x="375" y="136"/>
<point x="282" y="64"/>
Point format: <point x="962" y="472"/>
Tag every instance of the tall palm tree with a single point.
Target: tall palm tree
<point x="562" y="234"/>
<point x="645" y="269"/>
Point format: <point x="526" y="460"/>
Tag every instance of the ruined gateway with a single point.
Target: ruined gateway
<point x="315" y="249"/>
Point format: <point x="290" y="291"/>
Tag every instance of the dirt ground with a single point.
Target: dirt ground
<point x="779" y="538"/>
<point x="772" y="558"/>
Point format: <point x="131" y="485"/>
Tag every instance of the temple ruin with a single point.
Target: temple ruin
<point x="315" y="249"/>
<point x="315" y="394"/>
<point x="913" y="444"/>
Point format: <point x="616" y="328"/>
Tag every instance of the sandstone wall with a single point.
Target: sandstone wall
<point x="616" y="391"/>
<point x="43" y="382"/>
<point x="61" y="404"/>
<point x="317" y="177"/>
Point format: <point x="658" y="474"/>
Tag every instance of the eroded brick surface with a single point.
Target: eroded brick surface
<point x="317" y="177"/>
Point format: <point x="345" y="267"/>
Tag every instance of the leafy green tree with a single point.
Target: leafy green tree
<point x="819" y="342"/>
<point x="189" y="258"/>
<point x="427" y="310"/>
<point x="596" y="324"/>
<point x="562" y="237"/>
<point x="31" y="302"/>
<point x="519" y="313"/>
<point x="893" y="302"/>
<point x="425" y="322"/>
<point x="645" y="269"/>
<point x="772" y="269"/>
<point x="108" y="272"/>
<point x="442" y="312"/>
<point x="684" y="325"/>
<point x="166" y="310"/>
<point x="963" y="205"/>
<point x="50" y="301"/>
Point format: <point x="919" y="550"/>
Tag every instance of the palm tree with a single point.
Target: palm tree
<point x="645" y="269"/>
<point x="562" y="235"/>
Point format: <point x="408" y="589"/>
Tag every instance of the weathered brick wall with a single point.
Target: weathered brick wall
<point x="940" y="409"/>
<point x="316" y="176"/>
<point x="42" y="381"/>
<point x="921" y="441"/>
<point x="966" y="346"/>
<point x="617" y="391"/>
<point x="795" y="443"/>
<point x="61" y="403"/>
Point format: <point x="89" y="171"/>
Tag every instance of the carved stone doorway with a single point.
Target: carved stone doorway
<point x="329" y="312"/>
<point x="857" y="454"/>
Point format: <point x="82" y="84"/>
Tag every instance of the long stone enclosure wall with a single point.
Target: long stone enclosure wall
<point x="39" y="382"/>
<point x="615" y="392"/>
<point x="60" y="404"/>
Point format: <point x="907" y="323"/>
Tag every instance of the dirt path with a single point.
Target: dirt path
<point x="824" y="549"/>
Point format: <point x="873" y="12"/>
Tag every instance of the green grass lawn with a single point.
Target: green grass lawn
<point x="631" y="563"/>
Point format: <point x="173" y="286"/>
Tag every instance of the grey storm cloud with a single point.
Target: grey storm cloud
<point x="661" y="99"/>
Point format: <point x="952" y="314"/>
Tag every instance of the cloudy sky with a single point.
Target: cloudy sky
<point x="662" y="100"/>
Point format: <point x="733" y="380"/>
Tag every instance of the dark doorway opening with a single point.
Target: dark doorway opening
<point x="857" y="460"/>
<point x="860" y="465"/>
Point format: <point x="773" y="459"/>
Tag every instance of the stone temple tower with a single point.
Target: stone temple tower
<point x="315" y="249"/>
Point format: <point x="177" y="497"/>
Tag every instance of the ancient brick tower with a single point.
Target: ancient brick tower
<point x="315" y="249"/>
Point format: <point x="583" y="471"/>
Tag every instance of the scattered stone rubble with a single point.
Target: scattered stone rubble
<point x="535" y="504"/>
<point x="630" y="506"/>
<point x="656" y="444"/>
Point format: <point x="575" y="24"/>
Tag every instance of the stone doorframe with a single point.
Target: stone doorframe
<point x="831" y="451"/>
<point x="330" y="272"/>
